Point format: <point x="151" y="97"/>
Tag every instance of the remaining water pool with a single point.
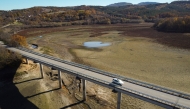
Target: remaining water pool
<point x="95" y="44"/>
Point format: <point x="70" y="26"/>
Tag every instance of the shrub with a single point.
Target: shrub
<point x="7" y="58"/>
<point x="5" y="37"/>
<point x="17" y="40"/>
<point x="177" y="24"/>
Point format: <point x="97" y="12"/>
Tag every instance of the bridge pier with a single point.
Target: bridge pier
<point x="27" y="61"/>
<point x="119" y="96"/>
<point x="41" y="70"/>
<point x="84" y="89"/>
<point x="60" y="82"/>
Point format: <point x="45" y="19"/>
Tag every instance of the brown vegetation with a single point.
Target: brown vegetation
<point x="5" y="37"/>
<point x="18" y="40"/>
<point x="176" y="24"/>
<point x="86" y="15"/>
<point x="14" y="40"/>
<point x="6" y="57"/>
<point x="39" y="31"/>
<point x="176" y="40"/>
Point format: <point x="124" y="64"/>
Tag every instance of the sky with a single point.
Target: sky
<point x="21" y="4"/>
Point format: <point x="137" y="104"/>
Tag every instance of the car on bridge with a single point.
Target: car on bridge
<point x="117" y="81"/>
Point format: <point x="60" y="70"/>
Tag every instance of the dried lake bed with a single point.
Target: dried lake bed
<point x="136" y="51"/>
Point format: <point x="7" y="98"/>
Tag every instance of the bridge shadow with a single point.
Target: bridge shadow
<point x="42" y="93"/>
<point x="27" y="80"/>
<point x="114" y="85"/>
<point x="10" y="97"/>
<point x="73" y="104"/>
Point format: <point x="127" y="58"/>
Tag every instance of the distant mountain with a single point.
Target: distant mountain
<point x="181" y="2"/>
<point x="148" y="3"/>
<point x="120" y="4"/>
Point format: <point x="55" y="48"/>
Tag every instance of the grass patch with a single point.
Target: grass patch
<point x="46" y="50"/>
<point x="17" y="23"/>
<point x="77" y="59"/>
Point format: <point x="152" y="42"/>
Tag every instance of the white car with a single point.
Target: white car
<point x="117" y="81"/>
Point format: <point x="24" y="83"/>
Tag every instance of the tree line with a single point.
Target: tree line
<point x="6" y="57"/>
<point x="87" y="15"/>
<point x="176" y="24"/>
<point x="14" y="40"/>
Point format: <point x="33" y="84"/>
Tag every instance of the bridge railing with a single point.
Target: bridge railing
<point x="108" y="83"/>
<point x="144" y="84"/>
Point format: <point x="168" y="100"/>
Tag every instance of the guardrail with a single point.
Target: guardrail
<point x="107" y="83"/>
<point x="144" y="84"/>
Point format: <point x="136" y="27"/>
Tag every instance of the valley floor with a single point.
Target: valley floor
<point x="137" y="51"/>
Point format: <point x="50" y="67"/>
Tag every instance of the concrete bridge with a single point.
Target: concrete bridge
<point x="160" y="96"/>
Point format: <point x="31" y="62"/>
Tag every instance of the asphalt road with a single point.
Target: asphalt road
<point x="157" y="94"/>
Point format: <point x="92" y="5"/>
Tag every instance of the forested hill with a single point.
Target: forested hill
<point x="181" y="2"/>
<point x="148" y="3"/>
<point x="152" y="11"/>
<point x="120" y="4"/>
<point x="86" y="15"/>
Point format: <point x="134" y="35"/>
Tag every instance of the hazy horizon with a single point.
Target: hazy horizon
<point x="22" y="4"/>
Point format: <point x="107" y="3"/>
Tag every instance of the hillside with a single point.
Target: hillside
<point x="181" y="2"/>
<point x="120" y="4"/>
<point x="148" y="3"/>
<point x="88" y="15"/>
